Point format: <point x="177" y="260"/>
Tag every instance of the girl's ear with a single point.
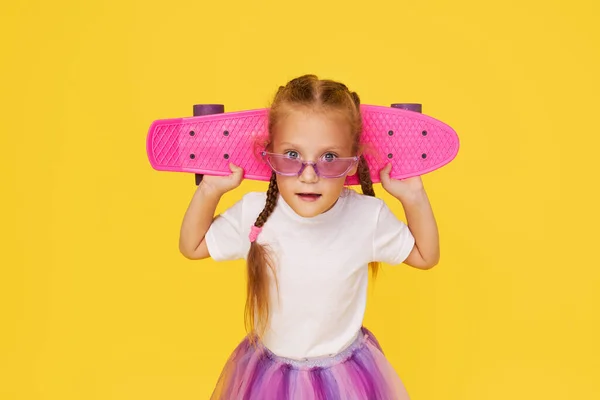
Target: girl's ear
<point x="260" y="144"/>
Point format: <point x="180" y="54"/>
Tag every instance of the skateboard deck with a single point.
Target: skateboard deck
<point x="414" y="143"/>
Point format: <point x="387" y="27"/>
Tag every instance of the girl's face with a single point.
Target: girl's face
<point x="311" y="136"/>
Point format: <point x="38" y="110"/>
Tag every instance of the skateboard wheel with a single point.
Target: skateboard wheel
<point x="416" y="107"/>
<point x="206" y="109"/>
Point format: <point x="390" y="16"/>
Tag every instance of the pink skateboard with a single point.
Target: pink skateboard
<point x="205" y="144"/>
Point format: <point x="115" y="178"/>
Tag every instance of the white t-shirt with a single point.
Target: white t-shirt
<point x="321" y="266"/>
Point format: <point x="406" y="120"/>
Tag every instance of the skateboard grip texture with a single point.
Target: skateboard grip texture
<point x="414" y="143"/>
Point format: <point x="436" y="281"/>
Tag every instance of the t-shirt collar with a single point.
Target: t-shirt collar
<point x="326" y="216"/>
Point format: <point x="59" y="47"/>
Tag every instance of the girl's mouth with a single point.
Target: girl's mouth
<point x="308" y="196"/>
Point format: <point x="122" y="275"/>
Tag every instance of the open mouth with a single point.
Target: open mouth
<point x="308" y="196"/>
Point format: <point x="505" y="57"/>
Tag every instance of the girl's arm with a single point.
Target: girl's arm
<point x="197" y="220"/>
<point x="420" y="219"/>
<point x="201" y="211"/>
<point x="422" y="225"/>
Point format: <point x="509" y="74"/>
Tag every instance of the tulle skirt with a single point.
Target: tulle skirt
<point x="359" y="372"/>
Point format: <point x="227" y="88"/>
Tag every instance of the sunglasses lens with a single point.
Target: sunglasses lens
<point x="284" y="165"/>
<point x="334" y="168"/>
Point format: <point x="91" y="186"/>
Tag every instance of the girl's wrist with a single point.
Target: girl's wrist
<point x="209" y="191"/>
<point x="418" y="197"/>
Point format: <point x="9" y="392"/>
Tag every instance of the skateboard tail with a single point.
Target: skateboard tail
<point x="207" y="144"/>
<point x="153" y="142"/>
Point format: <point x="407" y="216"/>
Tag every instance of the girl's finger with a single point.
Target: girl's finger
<point x="237" y="172"/>
<point x="385" y="173"/>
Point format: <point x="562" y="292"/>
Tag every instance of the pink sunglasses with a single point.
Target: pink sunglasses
<point x="292" y="166"/>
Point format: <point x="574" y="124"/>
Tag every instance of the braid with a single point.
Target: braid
<point x="364" y="175"/>
<point x="259" y="263"/>
<point x="271" y="202"/>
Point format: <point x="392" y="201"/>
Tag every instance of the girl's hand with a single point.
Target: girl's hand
<point x="219" y="185"/>
<point x="406" y="190"/>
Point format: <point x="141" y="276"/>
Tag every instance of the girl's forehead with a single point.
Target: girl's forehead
<point x="319" y="128"/>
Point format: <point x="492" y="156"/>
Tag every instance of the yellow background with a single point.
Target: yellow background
<point x="97" y="303"/>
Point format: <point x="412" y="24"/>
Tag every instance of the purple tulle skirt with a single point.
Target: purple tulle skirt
<point x="359" y="372"/>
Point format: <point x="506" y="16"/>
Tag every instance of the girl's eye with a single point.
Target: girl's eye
<point x="329" y="157"/>
<point x="291" y="154"/>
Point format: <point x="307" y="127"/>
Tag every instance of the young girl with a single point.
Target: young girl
<point x="308" y="242"/>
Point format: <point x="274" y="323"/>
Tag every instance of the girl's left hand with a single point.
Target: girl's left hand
<point x="406" y="190"/>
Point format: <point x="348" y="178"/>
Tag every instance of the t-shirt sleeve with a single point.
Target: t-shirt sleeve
<point x="393" y="240"/>
<point x="226" y="238"/>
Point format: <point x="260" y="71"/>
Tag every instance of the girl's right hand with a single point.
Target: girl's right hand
<point x="219" y="185"/>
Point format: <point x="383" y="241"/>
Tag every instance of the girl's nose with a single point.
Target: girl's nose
<point x="309" y="175"/>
